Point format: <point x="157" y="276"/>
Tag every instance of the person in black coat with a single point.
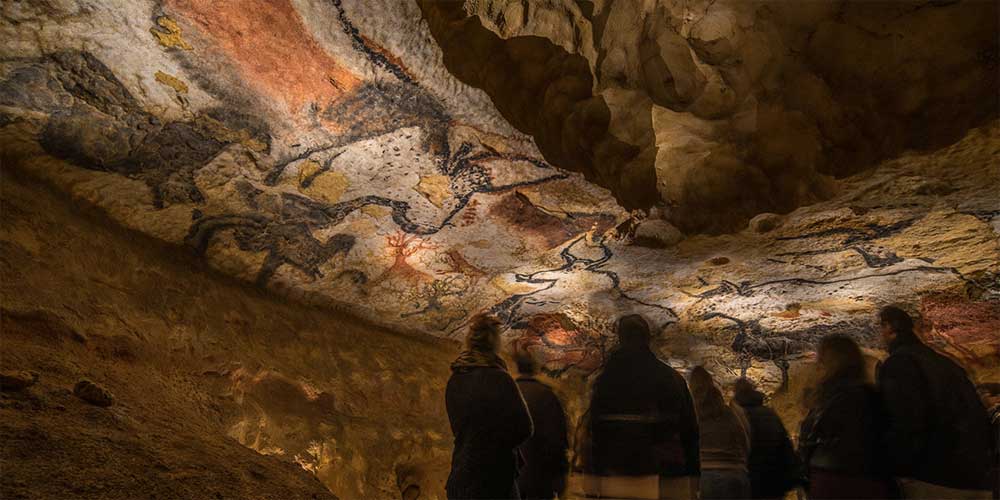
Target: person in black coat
<point x="840" y="439"/>
<point x="939" y="437"/>
<point x="642" y="416"/>
<point x="488" y="418"/>
<point x="543" y="474"/>
<point x="773" y="465"/>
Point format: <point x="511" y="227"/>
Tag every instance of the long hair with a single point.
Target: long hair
<point x="840" y="361"/>
<point x="708" y="400"/>
<point x="483" y="333"/>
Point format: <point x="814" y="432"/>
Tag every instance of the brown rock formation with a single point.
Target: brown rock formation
<point x="773" y="95"/>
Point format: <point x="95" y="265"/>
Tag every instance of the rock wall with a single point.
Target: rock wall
<point x="769" y="99"/>
<point x="219" y="389"/>
<point x="323" y="152"/>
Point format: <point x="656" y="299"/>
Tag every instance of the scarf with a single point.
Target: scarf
<point x="469" y="360"/>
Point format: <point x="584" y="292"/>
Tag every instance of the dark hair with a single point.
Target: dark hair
<point x="481" y="333"/>
<point x="633" y="330"/>
<point x="745" y="391"/>
<point x="707" y="397"/>
<point x="898" y="319"/>
<point x="526" y="363"/>
<point x="841" y="360"/>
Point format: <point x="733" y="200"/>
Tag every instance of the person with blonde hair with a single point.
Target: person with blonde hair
<point x="488" y="417"/>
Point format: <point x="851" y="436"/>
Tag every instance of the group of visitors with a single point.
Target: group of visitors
<point x="918" y="429"/>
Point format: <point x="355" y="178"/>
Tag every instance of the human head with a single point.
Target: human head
<point x="894" y="323"/>
<point x="841" y="358"/>
<point x="484" y="334"/>
<point x="744" y="390"/>
<point x="706" y="395"/>
<point x="633" y="330"/>
<point x="526" y="364"/>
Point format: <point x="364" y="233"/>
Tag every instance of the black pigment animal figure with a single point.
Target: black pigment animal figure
<point x="858" y="240"/>
<point x="752" y="342"/>
<point x="285" y="243"/>
<point x="509" y="309"/>
<point x="96" y="123"/>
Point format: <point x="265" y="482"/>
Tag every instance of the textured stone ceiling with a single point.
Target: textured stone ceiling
<point x="759" y="103"/>
<point x="324" y="150"/>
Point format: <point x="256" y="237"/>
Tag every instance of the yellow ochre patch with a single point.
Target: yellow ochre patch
<point x="172" y="82"/>
<point x="169" y="34"/>
<point x="436" y="188"/>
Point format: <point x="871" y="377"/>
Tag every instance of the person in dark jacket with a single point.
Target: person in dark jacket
<point x="773" y="465"/>
<point x="724" y="442"/>
<point x="642" y="419"/>
<point x="543" y="474"/>
<point x="939" y="437"/>
<point x="488" y="418"/>
<point x="840" y="438"/>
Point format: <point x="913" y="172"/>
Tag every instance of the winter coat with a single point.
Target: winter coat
<point x="543" y="474"/>
<point x="842" y="436"/>
<point x="489" y="420"/>
<point x="773" y="465"/>
<point x="642" y="418"/>
<point x="939" y="431"/>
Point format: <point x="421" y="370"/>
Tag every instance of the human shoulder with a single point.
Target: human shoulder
<point x="905" y="358"/>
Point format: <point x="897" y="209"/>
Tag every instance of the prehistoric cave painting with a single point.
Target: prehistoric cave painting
<point x="403" y="246"/>
<point x="565" y="344"/>
<point x="749" y="288"/>
<point x="468" y="177"/>
<point x="858" y="240"/>
<point x="965" y="328"/>
<point x="285" y="243"/>
<point x="96" y="123"/>
<point x="429" y="299"/>
<point x="551" y="230"/>
<point x="282" y="223"/>
<point x="582" y="255"/>
<point x="377" y="55"/>
<point x="456" y="263"/>
<point x="753" y="342"/>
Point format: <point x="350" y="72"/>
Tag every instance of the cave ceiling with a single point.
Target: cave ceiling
<point x="363" y="155"/>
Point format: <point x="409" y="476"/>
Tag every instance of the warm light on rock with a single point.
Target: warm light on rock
<point x="242" y="239"/>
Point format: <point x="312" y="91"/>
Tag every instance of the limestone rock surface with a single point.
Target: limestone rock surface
<point x="786" y="94"/>
<point x="277" y="216"/>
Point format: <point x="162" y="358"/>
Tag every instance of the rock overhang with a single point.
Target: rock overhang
<point x="323" y="149"/>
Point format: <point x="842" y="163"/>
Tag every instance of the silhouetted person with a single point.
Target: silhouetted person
<point x="543" y="474"/>
<point x="724" y="441"/>
<point x="939" y="438"/>
<point x="488" y="418"/>
<point x="773" y="465"/>
<point x="840" y="439"/>
<point x="642" y="418"/>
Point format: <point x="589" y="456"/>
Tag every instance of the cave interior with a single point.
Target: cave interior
<point x="242" y="240"/>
